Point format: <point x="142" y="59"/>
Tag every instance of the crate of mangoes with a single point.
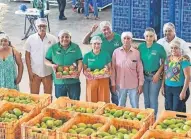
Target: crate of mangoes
<point x="11" y="118"/>
<point x="145" y="116"/>
<point x="65" y="72"/>
<point x="153" y="134"/>
<point x="81" y="127"/>
<point x="175" y="123"/>
<point x="45" y="124"/>
<point x="66" y="104"/>
<point x="29" y="100"/>
<point x="116" y="129"/>
<point x="97" y="74"/>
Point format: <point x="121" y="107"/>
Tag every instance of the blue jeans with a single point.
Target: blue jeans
<point x="151" y="93"/>
<point x="71" y="90"/>
<point x="114" y="95"/>
<point x="172" y="99"/>
<point x="86" y="7"/>
<point x="133" y="96"/>
<point x="74" y="2"/>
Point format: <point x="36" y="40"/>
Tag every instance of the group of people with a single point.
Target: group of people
<point x="153" y="67"/>
<point x="86" y="7"/>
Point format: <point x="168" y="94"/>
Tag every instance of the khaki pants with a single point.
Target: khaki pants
<point x="98" y="90"/>
<point x="46" y="81"/>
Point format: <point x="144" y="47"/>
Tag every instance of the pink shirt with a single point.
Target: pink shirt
<point x="127" y="69"/>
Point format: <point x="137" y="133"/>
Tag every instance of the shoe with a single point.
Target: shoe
<point x="62" y="18"/>
<point x="96" y="18"/>
<point x="86" y="17"/>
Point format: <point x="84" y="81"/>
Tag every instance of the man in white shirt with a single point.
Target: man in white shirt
<point x="36" y="47"/>
<point x="169" y="36"/>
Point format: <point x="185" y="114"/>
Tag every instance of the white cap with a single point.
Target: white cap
<point x="96" y="39"/>
<point x="41" y="21"/>
<point x="62" y="32"/>
<point x="126" y="34"/>
<point x="105" y="23"/>
<point x="4" y="36"/>
<point x="170" y="26"/>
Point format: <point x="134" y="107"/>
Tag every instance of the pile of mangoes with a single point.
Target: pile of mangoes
<point x="19" y="99"/>
<point x="50" y="123"/>
<point x="12" y="115"/>
<point x="123" y="114"/>
<point x="80" y="109"/>
<point x="85" y="129"/>
<point x="175" y="125"/>
<point x="114" y="133"/>
<point x="161" y="138"/>
<point x="99" y="72"/>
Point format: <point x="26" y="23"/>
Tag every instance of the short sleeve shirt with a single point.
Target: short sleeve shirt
<point x="174" y="75"/>
<point x="96" y="61"/>
<point x="62" y="57"/>
<point x="110" y="46"/>
<point x="37" y="49"/>
<point x="152" y="56"/>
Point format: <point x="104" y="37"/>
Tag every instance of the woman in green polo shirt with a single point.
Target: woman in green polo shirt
<point x="152" y="56"/>
<point x="177" y="78"/>
<point x="97" y="89"/>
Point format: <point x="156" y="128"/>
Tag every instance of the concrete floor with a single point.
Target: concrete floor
<point x="13" y="25"/>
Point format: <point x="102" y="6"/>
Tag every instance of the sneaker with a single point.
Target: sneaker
<point x="86" y="17"/>
<point x="96" y="18"/>
<point x="62" y="18"/>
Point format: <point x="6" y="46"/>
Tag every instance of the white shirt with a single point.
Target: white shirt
<point x="38" y="49"/>
<point x="183" y="45"/>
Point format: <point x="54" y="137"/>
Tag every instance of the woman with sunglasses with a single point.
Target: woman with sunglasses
<point x="152" y="56"/>
<point x="176" y="79"/>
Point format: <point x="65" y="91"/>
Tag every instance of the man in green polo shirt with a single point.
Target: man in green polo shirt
<point x="65" y="53"/>
<point x="110" y="41"/>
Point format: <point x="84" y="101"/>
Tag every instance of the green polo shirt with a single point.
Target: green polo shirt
<point x="96" y="61"/>
<point x="151" y="56"/>
<point x="64" y="57"/>
<point x="110" y="46"/>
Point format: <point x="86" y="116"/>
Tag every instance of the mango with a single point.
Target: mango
<point x="97" y="126"/>
<point x="78" y="130"/>
<point x="118" y="113"/>
<point x="112" y="130"/>
<point x="81" y="125"/>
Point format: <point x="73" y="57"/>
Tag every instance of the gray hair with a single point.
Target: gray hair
<point x="170" y="26"/>
<point x="105" y="23"/>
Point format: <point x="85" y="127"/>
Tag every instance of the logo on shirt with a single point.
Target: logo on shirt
<point x="116" y="44"/>
<point x="91" y="59"/>
<point x="154" y="52"/>
<point x="72" y="51"/>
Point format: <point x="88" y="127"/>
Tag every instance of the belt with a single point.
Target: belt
<point x="149" y="73"/>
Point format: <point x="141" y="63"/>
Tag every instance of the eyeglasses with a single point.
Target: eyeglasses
<point x="42" y="26"/>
